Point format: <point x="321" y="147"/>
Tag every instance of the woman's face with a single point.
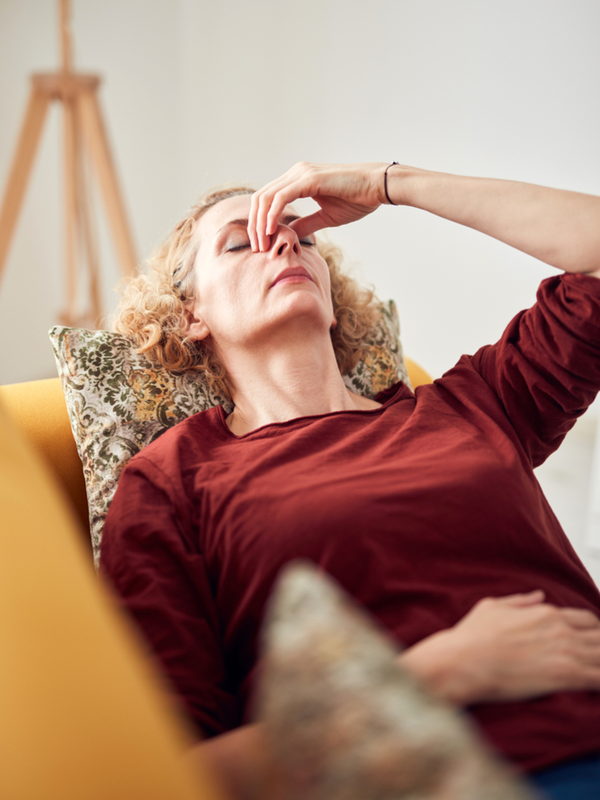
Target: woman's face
<point x="243" y="298"/>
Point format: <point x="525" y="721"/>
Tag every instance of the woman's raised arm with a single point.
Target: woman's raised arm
<point x="559" y="227"/>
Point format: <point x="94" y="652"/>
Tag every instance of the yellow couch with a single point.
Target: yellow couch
<point x="83" y="716"/>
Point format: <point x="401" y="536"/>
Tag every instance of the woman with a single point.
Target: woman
<point x="419" y="504"/>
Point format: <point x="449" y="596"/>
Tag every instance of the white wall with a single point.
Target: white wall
<point x="134" y="45"/>
<point x="502" y="89"/>
<point x="198" y="92"/>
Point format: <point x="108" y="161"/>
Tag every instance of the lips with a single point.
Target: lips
<point x="292" y="272"/>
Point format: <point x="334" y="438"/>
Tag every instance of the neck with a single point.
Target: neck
<point x="283" y="380"/>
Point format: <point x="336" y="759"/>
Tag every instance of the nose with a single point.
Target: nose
<point x="284" y="241"/>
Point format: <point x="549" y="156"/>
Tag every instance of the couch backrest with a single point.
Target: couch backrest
<point x="40" y="411"/>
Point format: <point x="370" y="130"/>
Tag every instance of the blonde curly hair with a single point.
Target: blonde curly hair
<point x="153" y="308"/>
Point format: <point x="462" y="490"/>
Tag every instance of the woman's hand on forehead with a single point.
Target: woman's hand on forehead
<point x="345" y="192"/>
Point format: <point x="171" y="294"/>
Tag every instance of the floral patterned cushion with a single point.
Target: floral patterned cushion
<point x="119" y="401"/>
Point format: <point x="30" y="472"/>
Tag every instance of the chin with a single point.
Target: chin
<point x="304" y="306"/>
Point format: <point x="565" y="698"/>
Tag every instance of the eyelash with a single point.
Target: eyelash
<point x="305" y="242"/>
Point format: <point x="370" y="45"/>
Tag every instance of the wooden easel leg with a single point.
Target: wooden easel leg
<point x="87" y="228"/>
<point x="80" y="242"/>
<point x="68" y="317"/>
<point x="82" y="121"/>
<point x="19" y="174"/>
<point x="91" y="252"/>
<point x="98" y="144"/>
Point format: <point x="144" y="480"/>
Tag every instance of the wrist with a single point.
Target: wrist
<point x="441" y="664"/>
<point x="240" y="761"/>
<point x="404" y="184"/>
<point x="388" y="199"/>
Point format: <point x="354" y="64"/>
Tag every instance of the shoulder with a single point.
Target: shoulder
<point x="573" y="300"/>
<point x="169" y="463"/>
<point x="397" y="391"/>
<point x="159" y="479"/>
<point x="194" y="435"/>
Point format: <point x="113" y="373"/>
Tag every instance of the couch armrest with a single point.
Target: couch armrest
<point x="40" y="412"/>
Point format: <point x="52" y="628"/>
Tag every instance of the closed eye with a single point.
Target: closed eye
<point x="306" y="242"/>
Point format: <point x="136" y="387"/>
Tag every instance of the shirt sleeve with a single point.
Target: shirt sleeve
<point x="545" y="370"/>
<point x="149" y="557"/>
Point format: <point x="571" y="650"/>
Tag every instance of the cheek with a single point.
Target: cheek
<point x="223" y="301"/>
<point x="325" y="272"/>
<point x="327" y="285"/>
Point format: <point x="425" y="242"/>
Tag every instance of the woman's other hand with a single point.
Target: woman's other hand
<point x="345" y="192"/>
<point x="510" y="648"/>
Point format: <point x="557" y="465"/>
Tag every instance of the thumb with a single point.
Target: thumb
<point x="526" y="599"/>
<point x="310" y="224"/>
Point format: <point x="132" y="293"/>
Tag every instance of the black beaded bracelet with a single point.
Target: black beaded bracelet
<point x="385" y="183"/>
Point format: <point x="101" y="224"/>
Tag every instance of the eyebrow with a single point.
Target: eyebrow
<point x="244" y="222"/>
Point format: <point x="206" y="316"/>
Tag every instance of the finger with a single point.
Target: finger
<point x="522" y="600"/>
<point x="270" y="205"/>
<point x="261" y="233"/>
<point x="587" y="678"/>
<point x="295" y="173"/>
<point x="272" y="199"/>
<point x="302" y="180"/>
<point x="589" y="646"/>
<point x="283" y="196"/>
<point x="252" y="222"/>
<point x="259" y="206"/>
<point x="580" y="618"/>
<point x="310" y="224"/>
<point x="262" y="206"/>
<point x="269" y="212"/>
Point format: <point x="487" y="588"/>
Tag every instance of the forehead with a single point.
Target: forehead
<point x="233" y="208"/>
<point x="226" y="210"/>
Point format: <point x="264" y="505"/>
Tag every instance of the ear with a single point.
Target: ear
<point x="197" y="329"/>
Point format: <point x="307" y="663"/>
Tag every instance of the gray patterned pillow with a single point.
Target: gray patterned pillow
<point x="119" y="401"/>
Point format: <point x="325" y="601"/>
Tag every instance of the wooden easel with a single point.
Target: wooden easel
<point x="78" y="94"/>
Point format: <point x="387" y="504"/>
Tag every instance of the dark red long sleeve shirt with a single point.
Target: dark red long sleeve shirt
<point x="419" y="509"/>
